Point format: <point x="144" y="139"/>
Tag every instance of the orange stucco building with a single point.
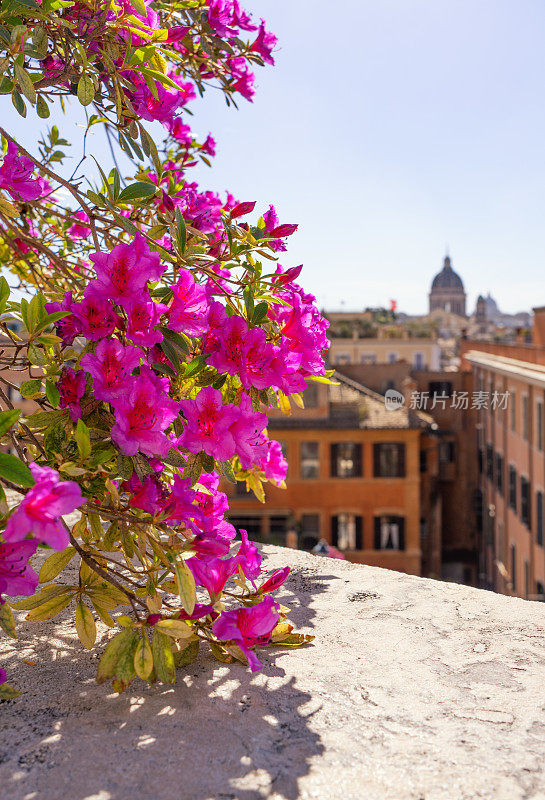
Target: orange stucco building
<point x="360" y="476"/>
<point x="510" y="439"/>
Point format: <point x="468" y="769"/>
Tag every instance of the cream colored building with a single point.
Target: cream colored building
<point x="420" y="353"/>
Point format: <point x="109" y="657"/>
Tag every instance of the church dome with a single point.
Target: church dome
<point x="447" y="280"/>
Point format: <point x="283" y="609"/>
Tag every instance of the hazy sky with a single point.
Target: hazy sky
<point x="387" y="129"/>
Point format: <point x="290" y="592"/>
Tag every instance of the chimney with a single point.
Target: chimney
<point x="538" y="331"/>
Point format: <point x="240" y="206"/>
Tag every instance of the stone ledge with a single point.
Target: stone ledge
<point x="413" y="690"/>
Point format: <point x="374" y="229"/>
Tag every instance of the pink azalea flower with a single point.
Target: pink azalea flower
<point x="77" y="231"/>
<point x="3" y="676"/>
<point x="220" y="18"/>
<point x="212" y="574"/>
<point x="248" y="557"/>
<point x="16" y="176"/>
<point x="208" y="424"/>
<point x="16" y="575"/>
<point x="206" y="546"/>
<point x="180" y="131"/>
<point x="248" y="627"/>
<point x="247" y="430"/>
<point x="40" y="511"/>
<point x="144" y="315"/>
<point x="189" y="307"/>
<point x="122" y="274"/>
<point x="181" y="504"/>
<point x="275" y="581"/>
<point x="265" y="44"/>
<point x="273" y="464"/>
<point x="151" y="495"/>
<point x="242" y="18"/>
<point x="68" y="327"/>
<point x="142" y="414"/>
<point x="209" y="145"/>
<point x="212" y="503"/>
<point x="111" y="367"/>
<point x="71" y="386"/>
<point x="96" y="317"/>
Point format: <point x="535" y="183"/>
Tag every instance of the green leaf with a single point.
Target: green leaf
<point x="82" y="438"/>
<point x="136" y="191"/>
<point x="4" y="293"/>
<point x="113" y="652"/>
<point x="195" y="366"/>
<point x="40" y="43"/>
<point x="181" y="230"/>
<point x="25" y="82"/>
<point x="42" y="419"/>
<point x="186" y="585"/>
<point x="55" y="564"/>
<point x="85" y="626"/>
<point x="19" y="103"/>
<point x="86" y="90"/>
<point x="163" y="658"/>
<point x="7" y="623"/>
<point x="52" y="393"/>
<point x="13" y="470"/>
<point x="7" y="692"/>
<point x="31" y="389"/>
<point x="227" y="469"/>
<point x="125" y="466"/>
<point x="42" y="108"/>
<point x="186" y="656"/>
<point x="140" y="7"/>
<point x="176" y="628"/>
<point x="8" y="419"/>
<point x="143" y="658"/>
<point x="48" y="592"/>
<point x="51" y="607"/>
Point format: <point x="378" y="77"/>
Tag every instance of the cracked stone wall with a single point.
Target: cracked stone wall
<point x="413" y="690"/>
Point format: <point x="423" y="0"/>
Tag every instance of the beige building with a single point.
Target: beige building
<point x="391" y="345"/>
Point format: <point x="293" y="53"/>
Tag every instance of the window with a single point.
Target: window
<point x="490" y="462"/>
<point x="513" y="411"/>
<point x="440" y="388"/>
<point x="423" y="461"/>
<point x="278" y="527"/>
<point x="250" y="524"/>
<point x="499" y="473"/>
<point x="513" y="568"/>
<point x="513" y="488"/>
<point x="447" y="452"/>
<point x="525" y="418"/>
<point x="418" y="361"/>
<point x="392" y="358"/>
<point x="310" y="460"/>
<point x="342" y="358"/>
<point x="347" y="531"/>
<point x="480" y="460"/>
<point x="389" y="533"/>
<point x="389" y="460"/>
<point x="539" y="425"/>
<point x="310" y="530"/>
<point x="539" y="518"/>
<point x="525" y="501"/>
<point x="346" y="460"/>
<point x="368" y="358"/>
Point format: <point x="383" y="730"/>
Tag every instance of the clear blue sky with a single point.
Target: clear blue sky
<point x="387" y="129"/>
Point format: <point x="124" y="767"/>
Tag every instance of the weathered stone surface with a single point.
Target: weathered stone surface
<point x="413" y="690"/>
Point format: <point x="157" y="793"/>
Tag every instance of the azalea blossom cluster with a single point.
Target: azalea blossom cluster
<point x="160" y="335"/>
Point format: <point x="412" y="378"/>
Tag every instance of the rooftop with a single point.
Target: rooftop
<point x="413" y="689"/>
